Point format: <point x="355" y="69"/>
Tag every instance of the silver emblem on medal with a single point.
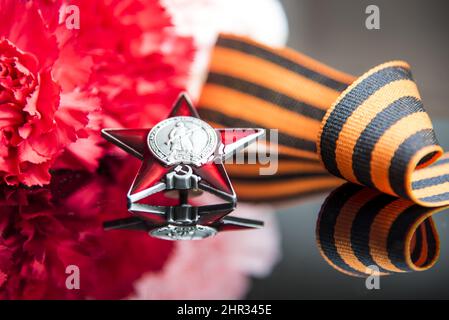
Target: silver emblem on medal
<point x="183" y="139"/>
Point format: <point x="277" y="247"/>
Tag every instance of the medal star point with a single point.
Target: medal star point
<point x="151" y="177"/>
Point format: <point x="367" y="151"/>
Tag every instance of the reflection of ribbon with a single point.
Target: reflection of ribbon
<point x="359" y="228"/>
<point x="372" y="130"/>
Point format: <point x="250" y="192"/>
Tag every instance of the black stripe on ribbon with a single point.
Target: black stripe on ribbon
<point x="424" y="183"/>
<point x="280" y="177"/>
<point x="361" y="226"/>
<point x="418" y="243"/>
<point x="266" y="94"/>
<point x="291" y="65"/>
<point x="403" y="155"/>
<point x="398" y="232"/>
<point x="361" y="158"/>
<point x="287" y="157"/>
<point x="284" y="139"/>
<point x="431" y="242"/>
<point x="436" y="198"/>
<point x="330" y="211"/>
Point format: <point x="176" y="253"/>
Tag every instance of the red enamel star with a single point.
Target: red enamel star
<point x="182" y="152"/>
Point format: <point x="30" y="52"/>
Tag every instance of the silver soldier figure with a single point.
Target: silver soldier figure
<point x="180" y="140"/>
<point x="183" y="139"/>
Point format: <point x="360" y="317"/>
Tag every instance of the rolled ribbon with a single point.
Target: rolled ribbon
<point x="361" y="231"/>
<point x="372" y="130"/>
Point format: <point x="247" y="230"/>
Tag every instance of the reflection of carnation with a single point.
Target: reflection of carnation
<point x="219" y="267"/>
<point x="43" y="230"/>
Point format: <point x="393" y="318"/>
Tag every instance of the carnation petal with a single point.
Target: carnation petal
<point x="22" y="24"/>
<point x="9" y="115"/>
<point x="27" y="153"/>
<point x="72" y="69"/>
<point x="84" y="154"/>
<point x="36" y="175"/>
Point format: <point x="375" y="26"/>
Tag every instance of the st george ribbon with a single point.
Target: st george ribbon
<point x="372" y="130"/>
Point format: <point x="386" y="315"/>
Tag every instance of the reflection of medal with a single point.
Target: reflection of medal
<point x="183" y="153"/>
<point x="182" y="222"/>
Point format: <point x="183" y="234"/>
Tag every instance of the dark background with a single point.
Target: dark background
<point x="415" y="31"/>
<point x="334" y="32"/>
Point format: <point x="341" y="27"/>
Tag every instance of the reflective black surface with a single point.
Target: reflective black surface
<point x="316" y="248"/>
<point x="47" y="232"/>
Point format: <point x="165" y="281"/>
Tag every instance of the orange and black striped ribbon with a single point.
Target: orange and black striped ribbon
<point x="361" y="230"/>
<point x="371" y="130"/>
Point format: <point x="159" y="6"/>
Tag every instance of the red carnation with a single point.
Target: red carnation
<point x="125" y="57"/>
<point x="38" y="120"/>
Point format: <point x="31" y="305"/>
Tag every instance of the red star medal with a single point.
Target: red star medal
<point x="182" y="152"/>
